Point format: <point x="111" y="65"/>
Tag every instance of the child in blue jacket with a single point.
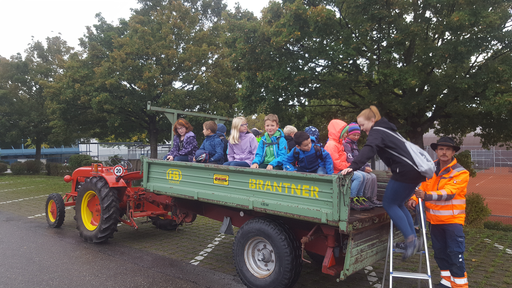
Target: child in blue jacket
<point x="271" y="146"/>
<point x="309" y="157"/>
<point x="212" y="149"/>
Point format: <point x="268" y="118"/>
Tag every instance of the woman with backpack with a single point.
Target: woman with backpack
<point x="405" y="177"/>
<point x="242" y="144"/>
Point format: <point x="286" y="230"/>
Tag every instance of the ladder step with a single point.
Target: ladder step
<point x="410" y="275"/>
<point x="398" y="250"/>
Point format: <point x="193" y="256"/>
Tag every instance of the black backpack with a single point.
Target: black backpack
<point x="225" y="142"/>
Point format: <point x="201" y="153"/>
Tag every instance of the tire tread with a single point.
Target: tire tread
<point x="109" y="210"/>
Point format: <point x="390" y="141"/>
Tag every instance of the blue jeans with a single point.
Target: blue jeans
<point x="357" y="187"/>
<point x="393" y="202"/>
<point x="237" y="163"/>
<point x="448" y="242"/>
<point x="181" y="158"/>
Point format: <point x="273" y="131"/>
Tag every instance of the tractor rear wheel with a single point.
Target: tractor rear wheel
<point x="97" y="210"/>
<point x="55" y="210"/>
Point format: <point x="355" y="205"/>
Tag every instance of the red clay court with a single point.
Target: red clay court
<point x="495" y="184"/>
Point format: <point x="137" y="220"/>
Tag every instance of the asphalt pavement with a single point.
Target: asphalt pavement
<point x="34" y="255"/>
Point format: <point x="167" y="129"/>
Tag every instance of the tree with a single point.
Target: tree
<point x="25" y="98"/>
<point x="9" y="134"/>
<point x="424" y="64"/>
<point x="168" y="53"/>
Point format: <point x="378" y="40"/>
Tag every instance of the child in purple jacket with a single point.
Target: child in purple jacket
<point x="352" y="150"/>
<point x="242" y="144"/>
<point x="184" y="143"/>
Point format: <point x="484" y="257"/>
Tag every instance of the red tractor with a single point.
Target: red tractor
<point x="103" y="196"/>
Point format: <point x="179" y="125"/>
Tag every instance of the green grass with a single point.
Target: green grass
<point x="31" y="185"/>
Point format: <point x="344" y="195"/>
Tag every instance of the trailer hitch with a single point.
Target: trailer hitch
<point x="307" y="239"/>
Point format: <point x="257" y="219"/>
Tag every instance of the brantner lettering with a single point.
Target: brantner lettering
<point x="288" y="188"/>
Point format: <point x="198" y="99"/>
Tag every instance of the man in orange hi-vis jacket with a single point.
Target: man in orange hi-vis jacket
<point x="445" y="202"/>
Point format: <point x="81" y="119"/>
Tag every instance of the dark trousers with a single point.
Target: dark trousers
<point x="264" y="166"/>
<point x="237" y="163"/>
<point x="448" y="242"/>
<point x="181" y="158"/>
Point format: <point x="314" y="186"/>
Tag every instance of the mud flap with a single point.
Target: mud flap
<point x="226" y="227"/>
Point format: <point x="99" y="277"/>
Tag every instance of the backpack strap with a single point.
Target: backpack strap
<point x="296" y="154"/>
<point x="397" y="135"/>
<point x="318" y="151"/>
<point x="273" y="143"/>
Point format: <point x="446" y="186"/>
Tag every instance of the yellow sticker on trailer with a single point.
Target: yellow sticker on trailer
<point x="174" y="176"/>
<point x="220" y="179"/>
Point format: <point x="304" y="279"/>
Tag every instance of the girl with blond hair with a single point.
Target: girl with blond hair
<point x="242" y="144"/>
<point x="405" y="179"/>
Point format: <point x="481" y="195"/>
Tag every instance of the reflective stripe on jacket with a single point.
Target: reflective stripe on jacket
<point x="445" y="194"/>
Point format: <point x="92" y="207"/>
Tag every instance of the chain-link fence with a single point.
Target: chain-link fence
<point x="493" y="180"/>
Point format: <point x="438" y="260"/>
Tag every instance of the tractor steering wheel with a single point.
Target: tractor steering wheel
<point x="120" y="161"/>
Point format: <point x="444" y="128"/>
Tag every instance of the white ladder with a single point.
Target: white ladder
<point x="419" y="275"/>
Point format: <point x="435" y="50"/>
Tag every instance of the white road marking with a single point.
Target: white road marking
<point x="14" y="189"/>
<point x="22" y="199"/>
<point x="372" y="277"/>
<point x="483" y="181"/>
<point x="44" y="214"/>
<point x="207" y="250"/>
<point x="508" y="251"/>
<point x="9" y="182"/>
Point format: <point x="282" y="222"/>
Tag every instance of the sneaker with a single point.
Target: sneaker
<point x="410" y="248"/>
<point x="361" y="203"/>
<point x="354" y="205"/>
<point x="376" y="203"/>
<point x="400" y="245"/>
<point x="367" y="202"/>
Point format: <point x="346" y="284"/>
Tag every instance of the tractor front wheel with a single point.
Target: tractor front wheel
<point x="97" y="210"/>
<point x="55" y="210"/>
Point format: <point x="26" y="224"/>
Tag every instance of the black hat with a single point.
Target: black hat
<point x="256" y="132"/>
<point x="445" y="141"/>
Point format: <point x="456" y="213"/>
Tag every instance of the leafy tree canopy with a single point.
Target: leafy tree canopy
<point x="23" y="109"/>
<point x="169" y="53"/>
<point x="425" y="64"/>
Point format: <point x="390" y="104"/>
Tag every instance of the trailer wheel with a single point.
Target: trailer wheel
<point x="265" y="254"/>
<point x="55" y="210"/>
<point x="164" y="224"/>
<point x="97" y="210"/>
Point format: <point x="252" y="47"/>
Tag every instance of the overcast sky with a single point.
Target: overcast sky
<point x="22" y="19"/>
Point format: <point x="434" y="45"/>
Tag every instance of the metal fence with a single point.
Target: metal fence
<point x="129" y="151"/>
<point x="494" y="176"/>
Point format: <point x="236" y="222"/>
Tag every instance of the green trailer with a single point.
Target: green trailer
<point x="282" y="215"/>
